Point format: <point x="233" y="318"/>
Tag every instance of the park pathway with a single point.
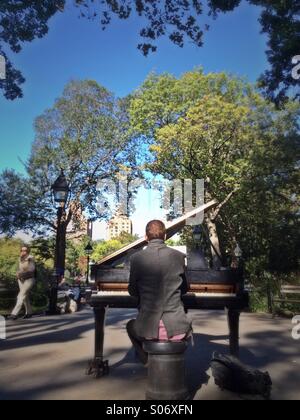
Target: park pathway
<point x="45" y="357"/>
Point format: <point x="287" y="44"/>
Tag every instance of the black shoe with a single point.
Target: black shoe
<point x="12" y="318"/>
<point x="27" y="317"/>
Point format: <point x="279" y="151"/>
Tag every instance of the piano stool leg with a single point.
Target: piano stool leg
<point x="233" y="317"/>
<point x="99" y="367"/>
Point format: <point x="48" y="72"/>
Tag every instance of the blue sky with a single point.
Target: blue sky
<point x="78" y="49"/>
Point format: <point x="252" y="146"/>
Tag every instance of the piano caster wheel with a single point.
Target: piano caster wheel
<point x="102" y="370"/>
<point x="98" y="368"/>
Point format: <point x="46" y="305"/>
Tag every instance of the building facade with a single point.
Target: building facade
<point x="119" y="224"/>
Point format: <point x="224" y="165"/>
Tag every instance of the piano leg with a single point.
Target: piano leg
<point x="233" y="317"/>
<point x="99" y="367"/>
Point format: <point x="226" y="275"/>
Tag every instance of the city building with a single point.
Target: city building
<point x="119" y="223"/>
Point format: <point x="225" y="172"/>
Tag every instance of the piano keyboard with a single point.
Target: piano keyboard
<point x="197" y="294"/>
<point x="213" y="294"/>
<point x="112" y="293"/>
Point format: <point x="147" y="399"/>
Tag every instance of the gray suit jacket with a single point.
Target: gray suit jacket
<point x="158" y="278"/>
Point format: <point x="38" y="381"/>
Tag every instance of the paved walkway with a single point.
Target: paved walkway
<point x="45" y="358"/>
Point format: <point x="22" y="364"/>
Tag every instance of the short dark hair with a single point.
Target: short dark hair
<point x="156" y="230"/>
<point x="27" y="247"/>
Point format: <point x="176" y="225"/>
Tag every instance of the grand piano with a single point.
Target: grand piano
<point x="208" y="289"/>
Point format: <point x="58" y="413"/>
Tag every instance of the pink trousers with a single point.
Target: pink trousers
<point x="163" y="335"/>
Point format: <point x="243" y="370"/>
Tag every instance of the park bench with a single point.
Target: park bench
<point x="288" y="294"/>
<point x="7" y="297"/>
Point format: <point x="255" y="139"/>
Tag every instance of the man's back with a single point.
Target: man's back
<point x="158" y="278"/>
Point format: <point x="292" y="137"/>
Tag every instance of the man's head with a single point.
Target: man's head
<point x="25" y="250"/>
<point x="155" y="230"/>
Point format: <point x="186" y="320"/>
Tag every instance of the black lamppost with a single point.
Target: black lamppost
<point x="61" y="191"/>
<point x="88" y="252"/>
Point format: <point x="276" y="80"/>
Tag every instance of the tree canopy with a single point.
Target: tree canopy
<point x="280" y="20"/>
<point x="246" y="150"/>
<point x="9" y="256"/>
<point x="104" y="248"/>
<point x="85" y="134"/>
<point x="179" y="20"/>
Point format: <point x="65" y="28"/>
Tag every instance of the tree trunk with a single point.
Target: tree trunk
<point x="215" y="243"/>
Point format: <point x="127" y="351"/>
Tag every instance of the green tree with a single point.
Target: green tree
<point x="127" y="238"/>
<point x="177" y="242"/>
<point x="244" y="148"/>
<point x="280" y="22"/>
<point x="74" y="252"/>
<point x="76" y="259"/>
<point x="9" y="256"/>
<point x="15" y="198"/>
<point x="43" y="250"/>
<point x="84" y="133"/>
<point x="105" y="248"/>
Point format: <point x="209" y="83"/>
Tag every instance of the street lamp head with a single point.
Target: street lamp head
<point x="61" y="190"/>
<point x="197" y="233"/>
<point x="238" y="252"/>
<point x="88" y="250"/>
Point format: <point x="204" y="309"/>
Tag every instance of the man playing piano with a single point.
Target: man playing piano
<point x="157" y="278"/>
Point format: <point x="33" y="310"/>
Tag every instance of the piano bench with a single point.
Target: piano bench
<point x="166" y="370"/>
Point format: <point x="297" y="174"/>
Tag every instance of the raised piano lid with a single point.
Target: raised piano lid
<point x="173" y="227"/>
